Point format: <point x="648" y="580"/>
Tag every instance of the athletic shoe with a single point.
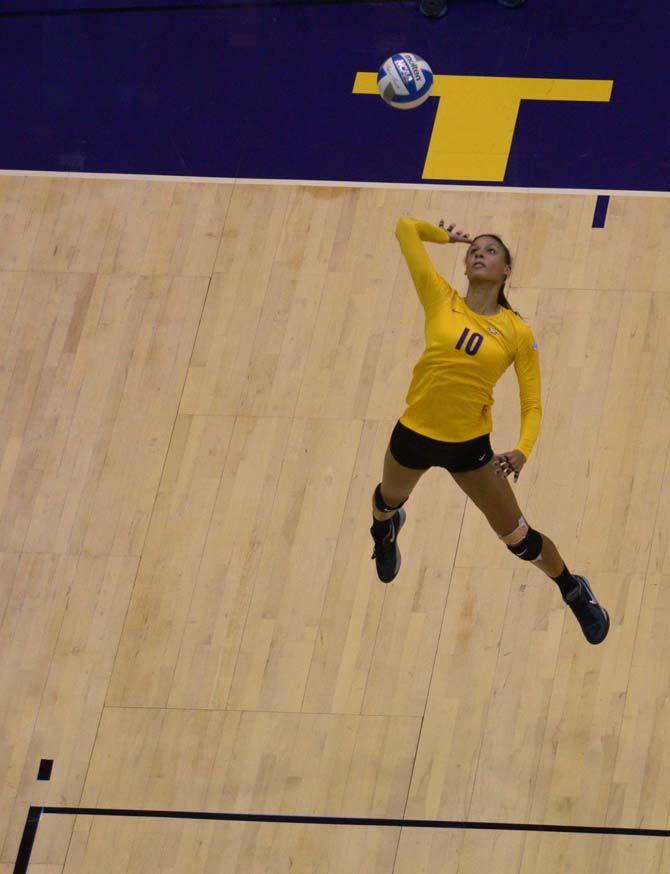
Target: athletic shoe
<point x="593" y="618"/>
<point x="386" y="550"/>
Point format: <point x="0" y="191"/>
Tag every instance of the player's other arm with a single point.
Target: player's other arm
<point x="527" y="367"/>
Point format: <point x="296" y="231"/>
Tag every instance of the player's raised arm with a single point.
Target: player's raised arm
<point x="411" y="234"/>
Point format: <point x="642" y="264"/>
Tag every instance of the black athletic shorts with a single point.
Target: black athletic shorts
<point x="414" y="450"/>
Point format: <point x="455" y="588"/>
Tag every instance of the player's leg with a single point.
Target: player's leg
<point x="395" y="488"/>
<point x="493" y="495"/>
<point x="405" y="463"/>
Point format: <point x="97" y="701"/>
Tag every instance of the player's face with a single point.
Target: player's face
<point x="486" y="260"/>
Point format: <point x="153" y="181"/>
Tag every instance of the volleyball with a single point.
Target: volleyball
<point x="405" y="80"/>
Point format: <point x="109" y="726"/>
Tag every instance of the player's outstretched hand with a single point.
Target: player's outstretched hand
<point x="509" y="462"/>
<point x="457" y="236"/>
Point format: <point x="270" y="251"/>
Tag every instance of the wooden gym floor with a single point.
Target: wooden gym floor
<point x="198" y="385"/>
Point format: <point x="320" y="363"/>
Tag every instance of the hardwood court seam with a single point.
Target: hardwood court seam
<point x="285" y="447"/>
<point x="538" y="756"/>
<point x="187" y="370"/>
<point x="411" y="776"/>
<point x="430" y="681"/>
<point x="446" y="599"/>
<point x="639" y="615"/>
<point x="153" y="508"/>
<point x="265" y="710"/>
<point x="487" y="705"/>
<point x="330" y="572"/>
<point x="196" y="571"/>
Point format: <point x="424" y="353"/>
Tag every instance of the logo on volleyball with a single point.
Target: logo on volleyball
<point x="403" y="69"/>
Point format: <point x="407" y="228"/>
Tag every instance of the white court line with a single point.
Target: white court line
<point x="327" y="183"/>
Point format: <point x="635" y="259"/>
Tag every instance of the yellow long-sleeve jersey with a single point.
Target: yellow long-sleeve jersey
<point x="451" y="393"/>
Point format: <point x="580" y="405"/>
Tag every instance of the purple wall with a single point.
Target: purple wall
<point x="267" y="92"/>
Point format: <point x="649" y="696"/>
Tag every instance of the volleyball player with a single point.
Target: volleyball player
<point x="470" y="342"/>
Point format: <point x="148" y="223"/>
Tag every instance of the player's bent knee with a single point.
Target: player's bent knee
<point x="528" y="549"/>
<point x="525" y="542"/>
<point x="380" y="503"/>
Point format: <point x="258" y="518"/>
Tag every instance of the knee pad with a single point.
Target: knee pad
<point x="528" y="549"/>
<point x="524" y="541"/>
<point x="380" y="504"/>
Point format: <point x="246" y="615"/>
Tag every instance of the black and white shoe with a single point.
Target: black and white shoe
<point x="386" y="550"/>
<point x="592" y="617"/>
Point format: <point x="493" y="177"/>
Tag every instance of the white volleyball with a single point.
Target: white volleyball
<point x="405" y="80"/>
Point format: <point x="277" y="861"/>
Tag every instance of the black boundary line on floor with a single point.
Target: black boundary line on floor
<point x="196" y="7"/>
<point x="600" y="211"/>
<point x="361" y="820"/>
<point x="35" y="813"/>
<point x="27" y="840"/>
